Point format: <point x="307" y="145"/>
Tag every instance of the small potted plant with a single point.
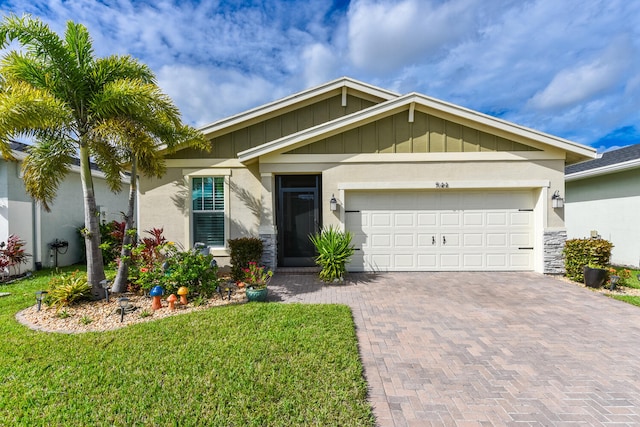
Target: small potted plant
<point x="256" y="277"/>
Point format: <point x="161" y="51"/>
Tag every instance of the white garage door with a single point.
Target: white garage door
<point x="441" y="230"/>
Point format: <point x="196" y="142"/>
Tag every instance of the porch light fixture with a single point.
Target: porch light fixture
<point x="333" y="203"/>
<point x="40" y="295"/>
<point x="557" y="202"/>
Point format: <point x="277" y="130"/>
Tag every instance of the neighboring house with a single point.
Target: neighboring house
<point x="21" y="216"/>
<point x="421" y="183"/>
<point x="603" y="197"/>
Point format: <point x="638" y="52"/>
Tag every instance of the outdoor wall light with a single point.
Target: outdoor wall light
<point x="40" y="295"/>
<point x="123" y="303"/>
<point x="106" y="286"/>
<point x="557" y="202"/>
<point x="333" y="203"/>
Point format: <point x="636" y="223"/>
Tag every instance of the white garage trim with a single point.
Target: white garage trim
<point x="443" y="229"/>
<point x="452" y="185"/>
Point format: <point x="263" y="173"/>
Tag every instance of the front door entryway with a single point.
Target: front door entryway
<point x="297" y="216"/>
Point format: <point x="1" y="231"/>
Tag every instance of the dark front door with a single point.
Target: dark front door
<point x="298" y="216"/>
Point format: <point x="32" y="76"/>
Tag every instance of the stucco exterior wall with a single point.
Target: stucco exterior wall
<point x="19" y="215"/>
<point x="166" y="202"/>
<point x="608" y="204"/>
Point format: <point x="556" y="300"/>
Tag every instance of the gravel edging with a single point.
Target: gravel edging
<point x="103" y="316"/>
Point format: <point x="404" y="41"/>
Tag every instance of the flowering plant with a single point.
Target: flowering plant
<point x="256" y="277"/>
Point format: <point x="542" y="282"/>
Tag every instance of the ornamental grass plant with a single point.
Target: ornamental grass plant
<point x="334" y="252"/>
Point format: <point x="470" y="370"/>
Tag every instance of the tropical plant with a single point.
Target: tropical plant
<point x="67" y="289"/>
<point x="334" y="252"/>
<point x="256" y="277"/>
<point x="71" y="103"/>
<point x="12" y="254"/>
<point x="243" y="251"/>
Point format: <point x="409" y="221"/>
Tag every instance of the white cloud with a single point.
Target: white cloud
<point x="385" y="36"/>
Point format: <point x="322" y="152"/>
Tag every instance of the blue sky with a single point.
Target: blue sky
<point x="566" y="67"/>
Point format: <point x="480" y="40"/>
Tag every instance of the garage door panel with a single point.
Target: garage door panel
<point x="404" y="240"/>
<point x="450" y="219"/>
<point x="436" y="230"/>
<point x="471" y="261"/>
<point x="404" y="261"/>
<point x="521" y="239"/>
<point x="427" y="219"/>
<point x="473" y="240"/>
<point x="378" y="241"/>
<point x="497" y="240"/>
<point x="497" y="219"/>
<point x="426" y="240"/>
<point x="380" y="219"/>
<point x="427" y="261"/>
<point x="404" y="220"/>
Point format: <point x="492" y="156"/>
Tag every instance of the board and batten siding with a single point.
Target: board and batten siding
<point x="426" y="134"/>
<point x="228" y="145"/>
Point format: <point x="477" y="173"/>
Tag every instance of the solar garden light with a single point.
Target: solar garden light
<point x="123" y="303"/>
<point x="614" y="281"/>
<point x="106" y="286"/>
<point x="40" y="295"/>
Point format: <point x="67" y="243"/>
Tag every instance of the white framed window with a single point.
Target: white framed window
<point x="208" y="201"/>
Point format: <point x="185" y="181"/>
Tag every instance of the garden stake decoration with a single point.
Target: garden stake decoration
<point x="183" y="291"/>
<point x="156" y="293"/>
<point x="172" y="301"/>
<point x="39" y="297"/>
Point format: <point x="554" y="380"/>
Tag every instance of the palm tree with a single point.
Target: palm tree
<point x="70" y="103"/>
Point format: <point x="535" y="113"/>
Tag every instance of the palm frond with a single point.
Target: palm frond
<point x="46" y="166"/>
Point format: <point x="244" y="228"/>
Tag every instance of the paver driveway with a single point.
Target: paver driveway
<point x="471" y="349"/>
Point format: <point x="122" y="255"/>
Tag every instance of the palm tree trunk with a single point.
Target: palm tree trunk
<point x="95" y="264"/>
<point x="120" y="284"/>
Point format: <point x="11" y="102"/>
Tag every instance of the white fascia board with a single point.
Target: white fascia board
<point x="430" y="104"/>
<point x="296" y="98"/>
<point x="604" y="170"/>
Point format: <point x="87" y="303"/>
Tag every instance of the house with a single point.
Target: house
<point x="603" y="198"/>
<point x="51" y="238"/>
<point x="422" y="184"/>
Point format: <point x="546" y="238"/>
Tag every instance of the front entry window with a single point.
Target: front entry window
<point x="207" y="198"/>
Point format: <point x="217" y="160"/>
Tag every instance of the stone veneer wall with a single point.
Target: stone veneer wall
<point x="269" y="252"/>
<point x="554" y="241"/>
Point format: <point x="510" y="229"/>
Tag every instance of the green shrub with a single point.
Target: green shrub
<point x="67" y="289"/>
<point x="334" y="252"/>
<point x="579" y="253"/>
<point x="243" y="251"/>
<point x="175" y="268"/>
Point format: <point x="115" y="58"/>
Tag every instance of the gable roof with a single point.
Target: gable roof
<point x="409" y="102"/>
<point x="609" y="162"/>
<point x="262" y="112"/>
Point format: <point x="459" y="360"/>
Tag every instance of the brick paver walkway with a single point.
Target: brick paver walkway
<point x="469" y="349"/>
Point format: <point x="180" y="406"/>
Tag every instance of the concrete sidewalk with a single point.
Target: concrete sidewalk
<point x="469" y="349"/>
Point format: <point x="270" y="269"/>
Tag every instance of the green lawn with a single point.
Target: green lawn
<point x="245" y="365"/>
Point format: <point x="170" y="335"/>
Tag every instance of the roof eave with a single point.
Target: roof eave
<point x="578" y="151"/>
<point x="603" y="170"/>
<point x="296" y="98"/>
